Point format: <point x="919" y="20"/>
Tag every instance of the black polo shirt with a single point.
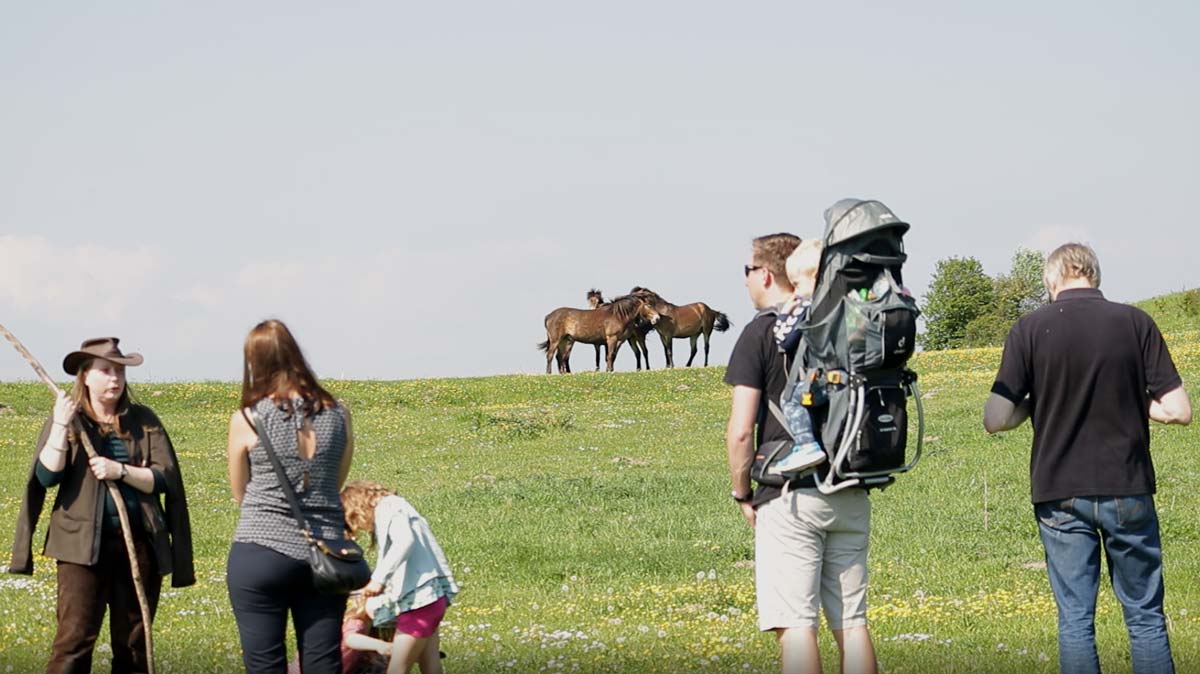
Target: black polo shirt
<point x="1089" y="368"/>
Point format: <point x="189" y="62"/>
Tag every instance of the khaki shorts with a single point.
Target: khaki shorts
<point x="810" y="551"/>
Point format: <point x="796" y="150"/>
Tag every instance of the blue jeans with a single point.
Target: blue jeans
<point x="1072" y="532"/>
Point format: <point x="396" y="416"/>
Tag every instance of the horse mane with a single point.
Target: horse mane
<point x="653" y="299"/>
<point x="625" y="306"/>
<point x="639" y="290"/>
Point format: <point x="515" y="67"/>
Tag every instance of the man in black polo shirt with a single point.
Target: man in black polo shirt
<point x="810" y="549"/>
<point x="1091" y="374"/>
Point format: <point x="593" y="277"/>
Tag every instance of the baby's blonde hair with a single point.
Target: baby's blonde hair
<point x="802" y="264"/>
<point x="356" y="605"/>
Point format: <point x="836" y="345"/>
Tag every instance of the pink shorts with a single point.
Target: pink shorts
<point x="422" y="622"/>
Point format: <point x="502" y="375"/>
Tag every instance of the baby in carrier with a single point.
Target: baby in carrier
<point x="802" y="267"/>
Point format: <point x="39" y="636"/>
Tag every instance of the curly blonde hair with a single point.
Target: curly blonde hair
<point x="359" y="498"/>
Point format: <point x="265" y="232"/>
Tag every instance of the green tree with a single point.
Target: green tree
<point x="959" y="293"/>
<point x="1015" y="294"/>
<point x="1021" y="290"/>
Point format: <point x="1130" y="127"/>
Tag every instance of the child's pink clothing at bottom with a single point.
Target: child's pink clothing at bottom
<point x="422" y="622"/>
<point x="353" y="662"/>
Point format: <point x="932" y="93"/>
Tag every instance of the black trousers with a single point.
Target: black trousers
<point x="85" y="592"/>
<point x="264" y="586"/>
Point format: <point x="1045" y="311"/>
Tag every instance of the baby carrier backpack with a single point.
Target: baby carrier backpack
<point x="850" y="368"/>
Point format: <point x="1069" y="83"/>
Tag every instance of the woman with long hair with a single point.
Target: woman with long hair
<point x="84" y="534"/>
<point x="267" y="571"/>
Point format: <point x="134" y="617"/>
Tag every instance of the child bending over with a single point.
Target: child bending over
<point x="412" y="584"/>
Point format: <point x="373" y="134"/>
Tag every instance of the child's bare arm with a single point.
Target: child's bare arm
<point x="362" y="642"/>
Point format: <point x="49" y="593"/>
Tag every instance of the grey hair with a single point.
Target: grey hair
<point x="1072" y="260"/>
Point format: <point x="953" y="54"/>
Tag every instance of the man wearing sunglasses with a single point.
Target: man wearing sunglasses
<point x="810" y="549"/>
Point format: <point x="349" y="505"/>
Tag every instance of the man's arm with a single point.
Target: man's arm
<point x="739" y="442"/>
<point x="1174" y="407"/>
<point x="1001" y="414"/>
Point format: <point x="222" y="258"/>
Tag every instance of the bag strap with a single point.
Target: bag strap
<point x="284" y="484"/>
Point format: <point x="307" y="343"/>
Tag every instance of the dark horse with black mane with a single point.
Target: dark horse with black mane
<point x="637" y="336"/>
<point x="608" y="324"/>
<point x="688" y="321"/>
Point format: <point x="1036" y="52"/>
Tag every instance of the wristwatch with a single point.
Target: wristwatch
<point x="124" y="472"/>
<point x="742" y="499"/>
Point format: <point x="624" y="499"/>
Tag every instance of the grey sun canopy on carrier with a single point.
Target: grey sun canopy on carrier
<point x="858" y="337"/>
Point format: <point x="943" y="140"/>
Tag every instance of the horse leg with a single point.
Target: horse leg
<point x="693" y="356"/>
<point x="637" y="355"/>
<point x="706" y="335"/>
<point x="558" y="355"/>
<point x="597" y="357"/>
<point x="667" y="350"/>
<point x="567" y="356"/>
<point x="645" y="352"/>
<point x="613" y="345"/>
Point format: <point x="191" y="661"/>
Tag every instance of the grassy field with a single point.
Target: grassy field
<point x="588" y="519"/>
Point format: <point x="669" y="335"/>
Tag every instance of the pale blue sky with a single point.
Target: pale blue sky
<point x="414" y="186"/>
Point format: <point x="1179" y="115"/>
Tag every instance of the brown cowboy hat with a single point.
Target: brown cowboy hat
<point x="99" y="347"/>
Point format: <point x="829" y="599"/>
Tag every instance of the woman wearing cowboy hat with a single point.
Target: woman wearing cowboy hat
<point x="84" y="533"/>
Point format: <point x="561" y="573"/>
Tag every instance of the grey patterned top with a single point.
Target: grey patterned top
<point x="266" y="518"/>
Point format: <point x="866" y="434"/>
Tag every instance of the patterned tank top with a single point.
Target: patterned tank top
<point x="266" y="518"/>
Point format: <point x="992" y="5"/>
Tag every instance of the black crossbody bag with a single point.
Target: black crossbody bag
<point x="338" y="566"/>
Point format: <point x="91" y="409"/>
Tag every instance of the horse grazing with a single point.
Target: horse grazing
<point x="608" y="324"/>
<point x="687" y="321"/>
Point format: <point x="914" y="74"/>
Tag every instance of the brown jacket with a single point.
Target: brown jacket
<point x="76" y="519"/>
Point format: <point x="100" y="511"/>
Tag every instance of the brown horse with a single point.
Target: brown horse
<point x="637" y="337"/>
<point x="608" y="324"/>
<point x="688" y="321"/>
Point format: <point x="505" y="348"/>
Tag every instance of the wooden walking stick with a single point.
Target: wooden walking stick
<point x="113" y="491"/>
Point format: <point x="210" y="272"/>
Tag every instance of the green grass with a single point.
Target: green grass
<point x="1176" y="311"/>
<point x="588" y="519"/>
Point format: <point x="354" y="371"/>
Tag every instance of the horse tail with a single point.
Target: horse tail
<point x="721" y="322"/>
<point x="544" y="346"/>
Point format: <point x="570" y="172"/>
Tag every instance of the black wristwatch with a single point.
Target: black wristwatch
<point x="742" y="499"/>
<point x="124" y="472"/>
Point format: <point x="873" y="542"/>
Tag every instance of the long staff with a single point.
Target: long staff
<point x="113" y="491"/>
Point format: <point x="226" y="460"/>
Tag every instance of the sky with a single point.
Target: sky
<point x="413" y="186"/>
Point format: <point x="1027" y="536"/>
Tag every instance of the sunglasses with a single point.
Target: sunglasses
<point x="752" y="267"/>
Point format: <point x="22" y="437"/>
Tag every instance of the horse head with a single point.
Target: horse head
<point x="650" y="297"/>
<point x="646" y="311"/>
<point x="594" y="298"/>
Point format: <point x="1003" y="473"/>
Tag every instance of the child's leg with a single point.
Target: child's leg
<point x="406" y="649"/>
<point x="430" y="661"/>
<point x="415" y="630"/>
